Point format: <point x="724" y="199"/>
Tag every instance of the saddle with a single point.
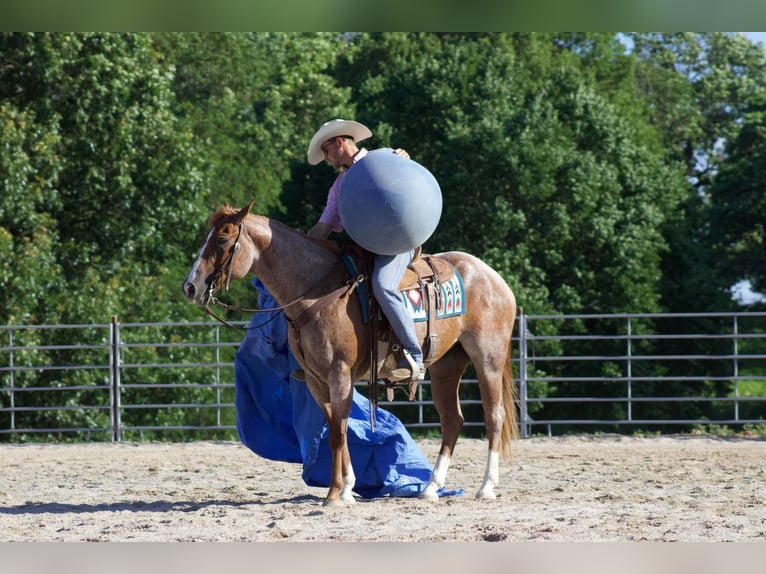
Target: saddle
<point x="425" y="273"/>
<point x="426" y="268"/>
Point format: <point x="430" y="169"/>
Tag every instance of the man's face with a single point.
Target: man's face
<point x="332" y="150"/>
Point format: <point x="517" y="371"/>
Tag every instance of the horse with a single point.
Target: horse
<point x="331" y="341"/>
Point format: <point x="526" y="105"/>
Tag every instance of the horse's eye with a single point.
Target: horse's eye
<point x="223" y="241"/>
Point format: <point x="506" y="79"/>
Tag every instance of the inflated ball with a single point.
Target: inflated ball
<point x="389" y="204"/>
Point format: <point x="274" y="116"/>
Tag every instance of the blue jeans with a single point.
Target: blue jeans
<point x="386" y="275"/>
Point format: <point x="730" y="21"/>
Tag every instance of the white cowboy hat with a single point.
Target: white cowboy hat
<point x="332" y="129"/>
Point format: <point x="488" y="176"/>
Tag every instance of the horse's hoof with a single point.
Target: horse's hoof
<point x="341" y="502"/>
<point x="486" y="494"/>
<point x="429" y="494"/>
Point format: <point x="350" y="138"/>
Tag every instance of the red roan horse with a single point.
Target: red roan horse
<point x="333" y="345"/>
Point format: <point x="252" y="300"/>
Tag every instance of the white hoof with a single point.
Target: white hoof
<point x="428" y="495"/>
<point x="486" y="493"/>
<point x="431" y="492"/>
<point x="340" y="503"/>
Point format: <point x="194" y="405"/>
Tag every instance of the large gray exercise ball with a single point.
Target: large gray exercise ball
<point x="389" y="204"/>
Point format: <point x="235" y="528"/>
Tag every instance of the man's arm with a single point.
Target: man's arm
<point x="320" y="231"/>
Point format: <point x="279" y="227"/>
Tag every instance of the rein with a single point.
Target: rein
<point x="215" y="301"/>
<point x="307" y="314"/>
<point x="227" y="265"/>
<point x="220" y="319"/>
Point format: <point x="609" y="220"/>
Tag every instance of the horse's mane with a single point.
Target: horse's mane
<point x="227" y="210"/>
<point x="222" y="212"/>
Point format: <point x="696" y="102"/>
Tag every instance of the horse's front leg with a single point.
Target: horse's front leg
<point x="335" y="401"/>
<point x="342" y="478"/>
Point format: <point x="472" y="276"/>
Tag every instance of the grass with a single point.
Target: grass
<point x="751" y="388"/>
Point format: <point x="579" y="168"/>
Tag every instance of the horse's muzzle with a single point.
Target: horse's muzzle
<point x="195" y="295"/>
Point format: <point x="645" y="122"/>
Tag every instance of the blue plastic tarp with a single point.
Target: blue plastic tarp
<point x="278" y="419"/>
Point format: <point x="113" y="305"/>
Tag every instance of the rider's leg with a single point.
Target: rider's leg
<point x="386" y="276"/>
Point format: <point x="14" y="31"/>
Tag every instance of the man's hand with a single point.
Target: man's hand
<point x="399" y="151"/>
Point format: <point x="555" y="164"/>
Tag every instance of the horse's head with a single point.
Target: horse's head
<point x="221" y="258"/>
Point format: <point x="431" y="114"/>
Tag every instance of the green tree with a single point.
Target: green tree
<point x="99" y="203"/>
<point x="121" y="206"/>
<point x="541" y="176"/>
<point x="28" y="233"/>
<point x="253" y="100"/>
<point x="738" y="202"/>
<point x="698" y="87"/>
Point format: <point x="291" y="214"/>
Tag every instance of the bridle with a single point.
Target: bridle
<point x="226" y="264"/>
<point x="226" y="267"/>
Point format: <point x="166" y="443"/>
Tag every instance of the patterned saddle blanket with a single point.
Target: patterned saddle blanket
<point x="450" y="300"/>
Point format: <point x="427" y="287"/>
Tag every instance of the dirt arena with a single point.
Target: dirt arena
<point x="575" y="489"/>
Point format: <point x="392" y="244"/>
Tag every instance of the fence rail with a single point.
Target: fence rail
<point x="117" y="382"/>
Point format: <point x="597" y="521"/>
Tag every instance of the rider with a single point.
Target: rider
<point x="336" y="143"/>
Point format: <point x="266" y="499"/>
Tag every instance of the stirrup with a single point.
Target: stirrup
<point x="410" y="388"/>
<point x="408" y="370"/>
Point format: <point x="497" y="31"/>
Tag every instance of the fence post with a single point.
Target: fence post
<point x="114" y="379"/>
<point x="736" y="369"/>
<point x="218" y="374"/>
<point x="12" y="365"/>
<point x="629" y="371"/>
<point x="523" y="415"/>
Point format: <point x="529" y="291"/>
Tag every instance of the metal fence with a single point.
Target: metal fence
<point x="129" y="381"/>
<point x="705" y="369"/>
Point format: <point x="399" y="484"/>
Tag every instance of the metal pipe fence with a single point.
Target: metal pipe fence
<point x="175" y="381"/>
<point x="717" y="371"/>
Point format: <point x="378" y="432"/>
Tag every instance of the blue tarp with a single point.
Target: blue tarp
<point x="278" y="419"/>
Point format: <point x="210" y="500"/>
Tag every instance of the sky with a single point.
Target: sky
<point x="756" y="37"/>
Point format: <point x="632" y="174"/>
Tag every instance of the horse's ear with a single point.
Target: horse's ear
<point x="243" y="212"/>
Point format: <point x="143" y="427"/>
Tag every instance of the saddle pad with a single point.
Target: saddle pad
<point x="452" y="300"/>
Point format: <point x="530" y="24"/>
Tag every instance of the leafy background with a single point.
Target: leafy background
<point x="597" y="172"/>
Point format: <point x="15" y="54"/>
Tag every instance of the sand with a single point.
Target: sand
<point x="574" y="489"/>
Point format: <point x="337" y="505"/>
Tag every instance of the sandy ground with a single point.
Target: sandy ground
<point x="576" y="489"/>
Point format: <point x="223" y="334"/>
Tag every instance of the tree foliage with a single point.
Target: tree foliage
<point x="596" y="172"/>
<point x="738" y="202"/>
<point x="103" y="182"/>
<point x="542" y="176"/>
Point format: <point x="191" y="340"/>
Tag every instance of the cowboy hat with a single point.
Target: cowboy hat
<point x="333" y="129"/>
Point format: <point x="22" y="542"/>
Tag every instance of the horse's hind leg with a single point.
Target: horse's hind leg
<point x="445" y="382"/>
<point x="491" y="387"/>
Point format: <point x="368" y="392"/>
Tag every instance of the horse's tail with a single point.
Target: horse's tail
<point x="510" y="431"/>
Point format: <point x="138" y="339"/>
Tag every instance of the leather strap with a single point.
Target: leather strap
<point x="324" y="301"/>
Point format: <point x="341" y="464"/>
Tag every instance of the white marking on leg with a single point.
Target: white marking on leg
<point x="438" y="478"/>
<point x="491" y="476"/>
<point x="347" y="492"/>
